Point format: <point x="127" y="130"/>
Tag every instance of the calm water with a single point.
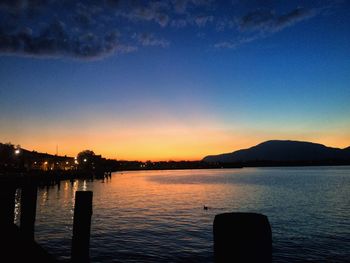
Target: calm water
<point x="158" y="216"/>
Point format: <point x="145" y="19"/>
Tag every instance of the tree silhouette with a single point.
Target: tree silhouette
<point x="86" y="159"/>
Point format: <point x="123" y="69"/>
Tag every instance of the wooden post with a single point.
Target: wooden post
<point x="81" y="226"/>
<point x="28" y="209"/>
<point x="242" y="237"/>
<point x="7" y="205"/>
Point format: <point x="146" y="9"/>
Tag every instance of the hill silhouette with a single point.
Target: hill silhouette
<point x="283" y="151"/>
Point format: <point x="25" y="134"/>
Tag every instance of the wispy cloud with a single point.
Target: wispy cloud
<point x="203" y="20"/>
<point x="239" y="41"/>
<point x="263" y="23"/>
<point x="225" y="44"/>
<point x="148" y="39"/>
<point x="153" y="11"/>
<point x="269" y="21"/>
<point x="179" y="23"/>
<point x="181" y="6"/>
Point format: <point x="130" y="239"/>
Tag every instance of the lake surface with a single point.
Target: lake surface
<point x="158" y="216"/>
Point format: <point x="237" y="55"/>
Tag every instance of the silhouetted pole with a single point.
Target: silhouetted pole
<point x="7" y="205"/>
<point x="242" y="237"/>
<point x="28" y="208"/>
<point x="81" y="226"/>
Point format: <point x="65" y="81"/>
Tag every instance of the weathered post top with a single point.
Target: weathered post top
<point x="242" y="237"/>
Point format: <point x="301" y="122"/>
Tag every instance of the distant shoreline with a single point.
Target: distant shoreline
<point x="173" y="166"/>
<point x="16" y="160"/>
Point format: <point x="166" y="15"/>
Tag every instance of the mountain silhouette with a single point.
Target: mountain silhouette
<point x="283" y="151"/>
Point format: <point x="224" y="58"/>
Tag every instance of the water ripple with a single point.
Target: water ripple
<point x="158" y="216"/>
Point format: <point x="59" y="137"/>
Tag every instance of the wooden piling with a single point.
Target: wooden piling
<point x="7" y="205"/>
<point x="242" y="237"/>
<point x="28" y="209"/>
<point x="82" y="226"/>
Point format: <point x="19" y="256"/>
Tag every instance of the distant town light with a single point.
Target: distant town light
<point x="85" y="160"/>
<point x="76" y="162"/>
<point x="67" y="162"/>
<point x="17" y="151"/>
<point x="34" y="162"/>
<point x="45" y="162"/>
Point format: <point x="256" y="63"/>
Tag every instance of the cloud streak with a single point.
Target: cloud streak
<point x="154" y="11"/>
<point x="148" y="39"/>
<point x="201" y="21"/>
<point x="269" y="21"/>
<point x="263" y="23"/>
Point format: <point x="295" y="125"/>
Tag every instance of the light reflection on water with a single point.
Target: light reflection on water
<point x="17" y="211"/>
<point x="154" y="216"/>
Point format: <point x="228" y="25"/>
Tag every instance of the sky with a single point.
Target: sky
<point x="173" y="80"/>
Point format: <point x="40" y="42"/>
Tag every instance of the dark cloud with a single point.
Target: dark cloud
<point x="96" y="28"/>
<point x="11" y="4"/>
<point x="83" y="15"/>
<point x="74" y="29"/>
<point x="256" y="20"/>
<point x="263" y="23"/>
<point x="113" y="3"/>
<point x="148" y="39"/>
<point x="271" y="22"/>
<point x="28" y="7"/>
<point x="55" y="41"/>
<point x="294" y="17"/>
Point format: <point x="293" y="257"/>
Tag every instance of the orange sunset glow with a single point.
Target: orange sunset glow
<point x="167" y="141"/>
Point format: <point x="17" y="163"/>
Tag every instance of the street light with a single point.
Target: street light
<point x="17" y="151"/>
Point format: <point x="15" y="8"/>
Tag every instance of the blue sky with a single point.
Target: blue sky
<point x="179" y="79"/>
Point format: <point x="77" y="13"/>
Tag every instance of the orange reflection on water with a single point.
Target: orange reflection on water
<point x="150" y="191"/>
<point x="145" y="206"/>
